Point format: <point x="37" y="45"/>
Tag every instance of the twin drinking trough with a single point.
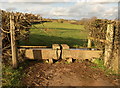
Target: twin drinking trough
<point x="57" y="52"/>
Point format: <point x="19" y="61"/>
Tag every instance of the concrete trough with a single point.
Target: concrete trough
<point x="81" y="54"/>
<point x="60" y="53"/>
<point x="41" y="53"/>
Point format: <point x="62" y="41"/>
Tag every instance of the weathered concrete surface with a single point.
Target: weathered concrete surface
<point x="49" y="54"/>
<point x="63" y="52"/>
<point x="55" y="46"/>
<point x="41" y="54"/>
<point x="58" y="53"/>
<point x="81" y="54"/>
<point x="29" y="54"/>
<point x="55" y="54"/>
<point x="65" y="46"/>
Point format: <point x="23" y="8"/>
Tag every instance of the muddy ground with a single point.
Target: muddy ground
<point x="67" y="74"/>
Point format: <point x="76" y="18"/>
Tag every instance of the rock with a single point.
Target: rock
<point x="55" y="46"/>
<point x="65" y="46"/>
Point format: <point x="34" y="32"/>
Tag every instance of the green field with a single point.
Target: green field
<point x="57" y="33"/>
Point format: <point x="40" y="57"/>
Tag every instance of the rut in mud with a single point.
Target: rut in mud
<point x="64" y="74"/>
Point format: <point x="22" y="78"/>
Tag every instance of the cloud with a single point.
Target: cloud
<point x="111" y="13"/>
<point x="98" y="1"/>
<point x="73" y="10"/>
<point x="59" y="0"/>
<point x="104" y="1"/>
<point x="11" y="1"/>
<point x="60" y="11"/>
<point x="86" y="10"/>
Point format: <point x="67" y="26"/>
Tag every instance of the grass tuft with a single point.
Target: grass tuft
<point x="100" y="64"/>
<point x="10" y="76"/>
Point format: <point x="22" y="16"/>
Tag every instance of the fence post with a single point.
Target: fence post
<point x="118" y="49"/>
<point x="89" y="41"/>
<point x="13" y="41"/>
<point x="116" y="53"/>
<point x="109" y="45"/>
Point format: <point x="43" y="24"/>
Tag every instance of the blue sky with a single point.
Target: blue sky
<point x="66" y="9"/>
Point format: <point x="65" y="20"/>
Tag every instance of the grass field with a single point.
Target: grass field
<point x="57" y="33"/>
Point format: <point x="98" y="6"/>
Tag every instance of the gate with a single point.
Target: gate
<point x="111" y="54"/>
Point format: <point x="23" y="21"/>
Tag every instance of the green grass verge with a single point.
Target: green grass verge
<point x="11" y="77"/>
<point x="100" y="64"/>
<point x="60" y="33"/>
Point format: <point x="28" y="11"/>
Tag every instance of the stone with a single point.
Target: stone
<point x="50" y="61"/>
<point x="55" y="46"/>
<point x="65" y="46"/>
<point x="69" y="60"/>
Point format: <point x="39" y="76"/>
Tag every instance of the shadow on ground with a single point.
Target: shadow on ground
<point x="43" y="40"/>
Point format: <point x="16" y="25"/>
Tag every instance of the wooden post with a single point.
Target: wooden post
<point x="13" y="42"/>
<point x="116" y="52"/>
<point x="109" y="45"/>
<point x="119" y="48"/>
<point x="89" y="41"/>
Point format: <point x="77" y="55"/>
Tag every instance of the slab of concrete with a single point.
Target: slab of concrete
<point x="65" y="53"/>
<point x="81" y="54"/>
<point x="49" y="54"/>
<point x="55" y="46"/>
<point x="41" y="54"/>
<point x="29" y="53"/>
<point x="65" y="46"/>
<point x="58" y="53"/>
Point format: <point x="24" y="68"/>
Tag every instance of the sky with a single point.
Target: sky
<point x="64" y="9"/>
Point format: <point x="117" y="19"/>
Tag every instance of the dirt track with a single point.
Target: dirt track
<point x="63" y="74"/>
